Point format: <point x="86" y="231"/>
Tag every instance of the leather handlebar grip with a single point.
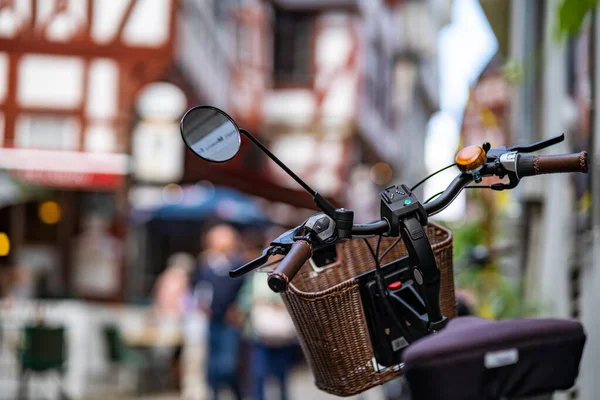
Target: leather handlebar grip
<point x="287" y="269"/>
<point x="576" y="162"/>
<point x="537" y="165"/>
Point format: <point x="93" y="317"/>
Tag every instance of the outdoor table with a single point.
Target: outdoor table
<point x="160" y="346"/>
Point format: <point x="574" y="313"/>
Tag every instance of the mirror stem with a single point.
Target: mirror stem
<point x="320" y="201"/>
<point x="324" y="205"/>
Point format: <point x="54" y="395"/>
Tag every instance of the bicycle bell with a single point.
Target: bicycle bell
<point x="470" y="160"/>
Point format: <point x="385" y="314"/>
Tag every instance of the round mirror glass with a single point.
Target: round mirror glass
<point x="210" y="133"/>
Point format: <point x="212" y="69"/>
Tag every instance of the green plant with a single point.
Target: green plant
<point x="570" y="16"/>
<point x="497" y="296"/>
<point x="465" y="237"/>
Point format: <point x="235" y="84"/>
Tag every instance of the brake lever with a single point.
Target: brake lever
<point x="539" y="145"/>
<point x="257" y="262"/>
<point x="513" y="181"/>
<point x="280" y="245"/>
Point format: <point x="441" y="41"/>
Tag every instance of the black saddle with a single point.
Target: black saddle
<point x="477" y="359"/>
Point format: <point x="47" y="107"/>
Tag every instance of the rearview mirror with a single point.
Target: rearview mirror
<point x="213" y="135"/>
<point x="210" y="133"/>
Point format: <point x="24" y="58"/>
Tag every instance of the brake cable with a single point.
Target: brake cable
<point x="386" y="251"/>
<point x="466" y="187"/>
<point x="265" y="267"/>
<point x="431" y="175"/>
<point x="433" y="197"/>
<point x="382" y="289"/>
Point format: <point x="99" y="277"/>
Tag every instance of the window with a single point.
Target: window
<point x="293" y="47"/>
<point x="379" y="80"/>
<point x="47" y="132"/>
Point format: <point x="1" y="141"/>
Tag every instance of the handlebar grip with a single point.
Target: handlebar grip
<point x="530" y="165"/>
<point x="279" y="279"/>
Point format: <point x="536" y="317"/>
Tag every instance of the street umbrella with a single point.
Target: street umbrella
<point x="203" y="202"/>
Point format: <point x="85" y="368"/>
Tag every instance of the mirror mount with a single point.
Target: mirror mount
<point x="319" y="200"/>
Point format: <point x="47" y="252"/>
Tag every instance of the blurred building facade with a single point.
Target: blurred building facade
<point x="326" y="85"/>
<point x="554" y="90"/>
<point x="340" y="90"/>
<point x="90" y="95"/>
<point x="407" y="70"/>
<point x="70" y="75"/>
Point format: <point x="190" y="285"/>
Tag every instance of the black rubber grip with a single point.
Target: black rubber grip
<point x="526" y="165"/>
<point x="287" y="269"/>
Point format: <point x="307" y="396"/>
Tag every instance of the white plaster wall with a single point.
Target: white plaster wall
<point x="298" y="107"/>
<point x="148" y="26"/>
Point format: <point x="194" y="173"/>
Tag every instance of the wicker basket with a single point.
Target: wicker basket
<point x="327" y="311"/>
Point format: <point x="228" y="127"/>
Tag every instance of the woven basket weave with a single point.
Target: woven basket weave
<point x="327" y="312"/>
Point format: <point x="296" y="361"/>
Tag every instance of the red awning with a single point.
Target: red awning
<point x="66" y="169"/>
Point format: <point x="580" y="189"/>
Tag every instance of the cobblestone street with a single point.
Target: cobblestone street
<point x="302" y="387"/>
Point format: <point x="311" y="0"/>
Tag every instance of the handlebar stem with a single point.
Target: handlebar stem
<point x="426" y="272"/>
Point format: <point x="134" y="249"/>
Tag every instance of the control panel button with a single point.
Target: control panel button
<point x="418" y="276"/>
<point x="395" y="285"/>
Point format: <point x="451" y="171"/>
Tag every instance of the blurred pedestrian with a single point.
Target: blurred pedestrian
<point x="171" y="289"/>
<point x="172" y="286"/>
<point x="273" y="336"/>
<point x="22" y="284"/>
<point x="220" y="292"/>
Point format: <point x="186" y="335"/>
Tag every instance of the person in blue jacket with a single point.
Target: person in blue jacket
<point x="217" y="294"/>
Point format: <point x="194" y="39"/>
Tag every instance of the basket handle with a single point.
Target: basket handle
<point x="279" y="279"/>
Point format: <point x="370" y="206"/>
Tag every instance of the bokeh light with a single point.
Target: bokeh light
<point x="381" y="173"/>
<point x="172" y="194"/>
<point x="4" y="244"/>
<point x="49" y="212"/>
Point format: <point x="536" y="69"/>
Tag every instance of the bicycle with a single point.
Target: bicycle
<point x="406" y="305"/>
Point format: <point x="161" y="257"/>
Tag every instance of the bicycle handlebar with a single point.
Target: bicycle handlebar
<point x="435" y="206"/>
<point x="526" y="165"/>
<point x="447" y="197"/>
<point x="372" y="228"/>
<point x="299" y="253"/>
<point x="530" y="165"/>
